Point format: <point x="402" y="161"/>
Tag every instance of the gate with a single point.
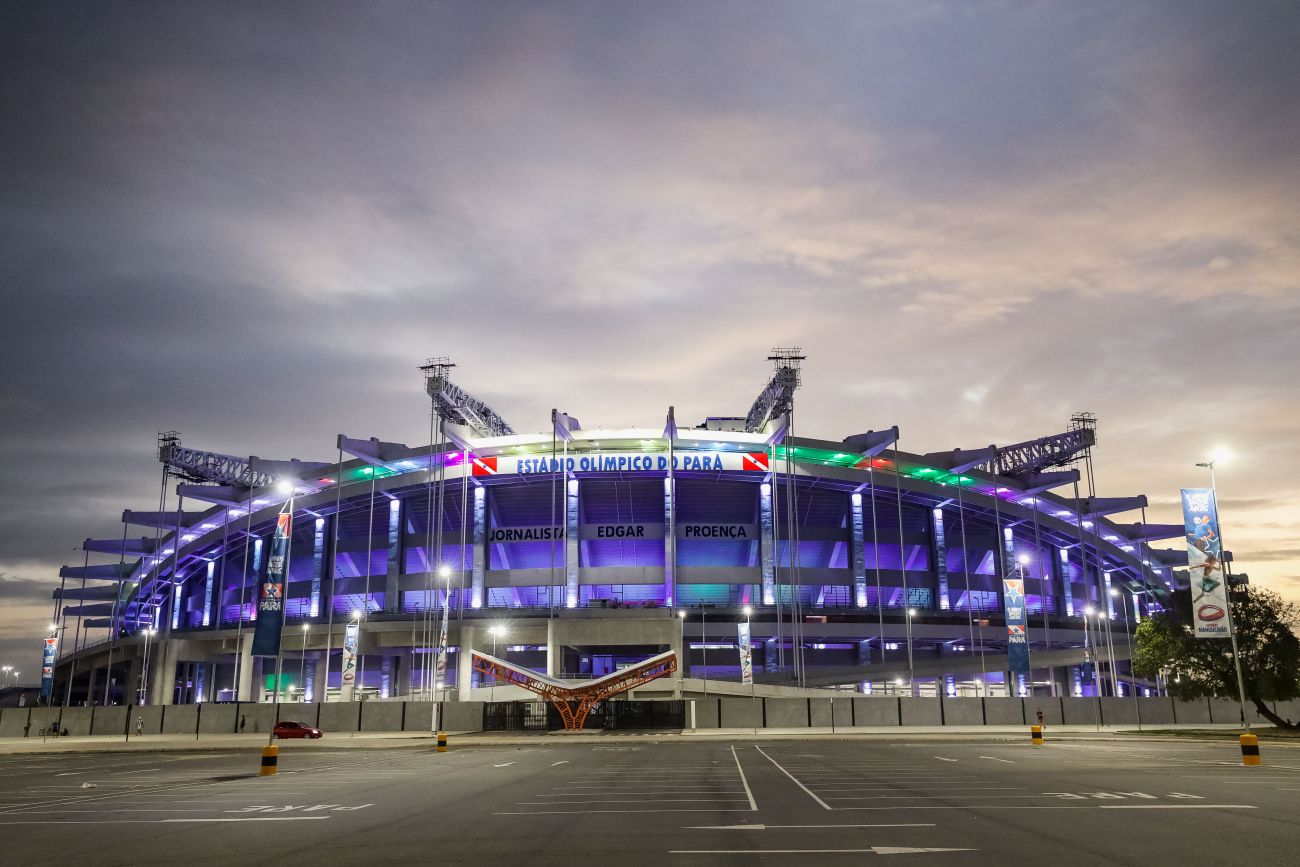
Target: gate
<point x="516" y="716"/>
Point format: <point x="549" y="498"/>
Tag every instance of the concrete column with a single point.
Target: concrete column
<point x="92" y="683"/>
<point x="571" y="501"/>
<point x="245" y="690"/>
<point x="393" y="576"/>
<point x="162" y="659"/>
<point x="857" y="550"/>
<point x="320" y="678"/>
<point x="387" y="674"/>
<point x="317" y="566"/>
<point x="131" y="688"/>
<point x="478" y="567"/>
<point x="670" y="538"/>
<point x="553" y="654"/>
<point x="464" y="664"/>
<point x="939" y="553"/>
<point x="767" y="532"/>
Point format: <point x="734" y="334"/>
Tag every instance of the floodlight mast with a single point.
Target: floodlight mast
<point x="195" y="465"/>
<point x="452" y="403"/>
<point x="778" y="395"/>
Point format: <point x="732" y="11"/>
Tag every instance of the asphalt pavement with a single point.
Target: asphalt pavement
<point x="646" y="800"/>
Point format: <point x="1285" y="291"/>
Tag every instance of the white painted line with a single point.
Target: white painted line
<point x="753" y="805"/>
<point x="632" y="801"/>
<point x="796" y="827"/>
<point x="586" y="812"/>
<point x="996" y="759"/>
<point x="792" y="777"/>
<point x="874" y="850"/>
<point x="554" y="764"/>
<point x="141" y="771"/>
<point x="589" y="794"/>
<point x="1178" y="807"/>
<point x="942" y="759"/>
<point x="254" y="819"/>
<point x="506" y="765"/>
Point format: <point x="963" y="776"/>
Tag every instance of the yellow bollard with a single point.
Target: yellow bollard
<point x="1036" y="735"/>
<point x="1250" y="750"/>
<point x="442" y="742"/>
<point x="270" y="760"/>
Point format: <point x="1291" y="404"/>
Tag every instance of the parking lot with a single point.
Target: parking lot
<point x="646" y="801"/>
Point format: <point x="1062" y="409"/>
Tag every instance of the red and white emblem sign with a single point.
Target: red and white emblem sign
<point x="484" y="466"/>
<point x="754" y="461"/>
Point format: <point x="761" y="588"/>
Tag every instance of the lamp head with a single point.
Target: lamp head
<point x="284" y="486"/>
<point x="681" y="614"/>
<point x="747" y="611"/>
<point x="444" y="571"/>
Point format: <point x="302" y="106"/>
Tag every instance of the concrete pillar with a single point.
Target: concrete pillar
<point x="767" y="532"/>
<point x="387" y="673"/>
<point x="245" y="691"/>
<point x="131" y="687"/>
<point x="162" y="660"/>
<point x="393" y="575"/>
<point x="320" y="678"/>
<point x="553" y="654"/>
<point x="571" y="520"/>
<point x="857" y="550"/>
<point x="478" y="565"/>
<point x="939" y="554"/>
<point x="317" y="567"/>
<point x="464" y="663"/>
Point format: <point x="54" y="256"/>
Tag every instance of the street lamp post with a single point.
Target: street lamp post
<point x="1090" y="657"/>
<point x="440" y="662"/>
<point x="6" y="669"/>
<point x="1221" y="455"/>
<point x="1137" y="706"/>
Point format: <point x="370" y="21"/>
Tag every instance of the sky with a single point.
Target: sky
<point x="252" y="223"/>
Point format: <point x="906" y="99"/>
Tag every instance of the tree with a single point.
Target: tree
<point x="1265" y="625"/>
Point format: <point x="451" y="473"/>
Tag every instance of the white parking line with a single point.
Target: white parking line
<point x="752" y="804"/>
<point x="792" y="777"/>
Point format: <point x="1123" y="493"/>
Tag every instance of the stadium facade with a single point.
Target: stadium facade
<point x="575" y="552"/>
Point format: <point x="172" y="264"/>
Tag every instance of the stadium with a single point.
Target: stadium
<point x="985" y="571"/>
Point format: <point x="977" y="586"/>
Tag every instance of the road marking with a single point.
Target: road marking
<point x="254" y="819"/>
<point x="792" y="777"/>
<point x="942" y="759"/>
<point x="141" y="771"/>
<point x="554" y="764"/>
<point x="586" y="812"/>
<point x="792" y="827"/>
<point x="996" y="759"/>
<point x="632" y="801"/>
<point x="875" y="850"/>
<point x="1177" y="807"/>
<point x="753" y="805"/>
<point x="506" y="765"/>
<point x="68" y="774"/>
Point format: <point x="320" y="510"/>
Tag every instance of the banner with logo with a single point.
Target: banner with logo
<point x="746" y="654"/>
<point x="270" y="599"/>
<point x="48" y="658"/>
<point x="1013" y="595"/>
<point x="351" y="639"/>
<point x="1205" y="564"/>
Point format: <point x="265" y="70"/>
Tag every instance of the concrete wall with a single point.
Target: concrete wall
<point x="1079" y="711"/>
<point x="784" y="713"/>
<point x="963" y="712"/>
<point x="875" y="711"/>
<point x="1119" y="711"/>
<point x="1005" y="711"/>
<point x="1288" y="710"/>
<point x="339" y="716"/>
<point x="920" y="711"/>
<point x="180" y="719"/>
<point x="12" y="720"/>
<point x="383" y="716"/>
<point x="110" y="720"/>
<point x="76" y="720"/>
<point x="258" y="718"/>
<point x="1050" y="705"/>
<point x="740" y="713"/>
<point x="1225" y="710"/>
<point x="219" y="719"/>
<point x="1156" y="711"/>
<point x="419" y="716"/>
<point x="462" y="716"/>
<point x="1194" y="711"/>
<point x="706" y="713"/>
<point x="299" y="712"/>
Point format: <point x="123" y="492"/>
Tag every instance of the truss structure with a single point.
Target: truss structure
<point x="452" y="403"/>
<point x="575" y="699"/>
<point x="778" y="395"/>
<point x="208" y="467"/>
<point x="1058" y="450"/>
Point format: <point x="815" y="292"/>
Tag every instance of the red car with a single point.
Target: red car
<point x="289" y="729"/>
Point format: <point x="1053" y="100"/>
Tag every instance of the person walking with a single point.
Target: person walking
<point x="139" y="726"/>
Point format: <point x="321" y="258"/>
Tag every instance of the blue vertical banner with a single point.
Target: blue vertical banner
<point x="746" y="654"/>
<point x="48" y="658"/>
<point x="1013" y="592"/>
<point x="1205" y="564"/>
<point x="270" y="599"/>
